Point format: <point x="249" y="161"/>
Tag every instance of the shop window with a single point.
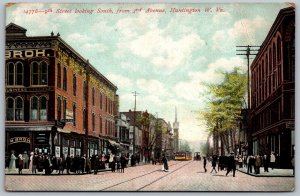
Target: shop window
<point x="10" y="109"/>
<point x="19" y="109"/>
<point x="58" y="75"/>
<point x="74" y="84"/>
<point x="34" y="108"/>
<point x="43" y="108"/>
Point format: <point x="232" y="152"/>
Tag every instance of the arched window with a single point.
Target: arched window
<point x="274" y="55"/>
<point x="65" y="79"/>
<point x="85" y="91"/>
<point x="44" y="73"/>
<point x="34" y="73"/>
<point x="10" y="109"/>
<point x="58" y="75"/>
<point x="19" y="73"/>
<point x="74" y="84"/>
<point x="34" y="108"/>
<point x="10" y="74"/>
<point x="43" y="108"/>
<point x="19" y="109"/>
<point x="58" y="108"/>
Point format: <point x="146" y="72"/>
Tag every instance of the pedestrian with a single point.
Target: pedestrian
<point x="123" y="163"/>
<point x="25" y="160"/>
<point x="68" y="164"/>
<point x="165" y="163"/>
<point x="240" y="160"/>
<point x="35" y="163"/>
<point x="61" y="164"/>
<point x="132" y="160"/>
<point x="249" y="164"/>
<point x="257" y="164"/>
<point x="12" y="162"/>
<point x="266" y="161"/>
<point x="112" y="158"/>
<point x="118" y="164"/>
<point x="293" y="164"/>
<point x="96" y="164"/>
<point x="204" y="164"/>
<point x="20" y="163"/>
<point x="47" y="165"/>
<point x="214" y="164"/>
<point x="54" y="164"/>
<point x="272" y="160"/>
<point x="231" y="164"/>
<point x="88" y="165"/>
<point x="82" y="163"/>
<point x="30" y="167"/>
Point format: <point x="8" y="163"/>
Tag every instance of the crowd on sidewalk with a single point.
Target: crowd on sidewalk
<point x="48" y="164"/>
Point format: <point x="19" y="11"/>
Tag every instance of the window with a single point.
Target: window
<point x="44" y="73"/>
<point x="19" y="73"/>
<point x="10" y="109"/>
<point x="93" y="96"/>
<point x="43" y="108"/>
<point x="100" y="101"/>
<point x="35" y="73"/>
<point x="74" y="114"/>
<point x="100" y="124"/>
<point x="65" y="79"/>
<point x="11" y="74"/>
<point x="278" y="49"/>
<point x="58" y="75"/>
<point x="85" y="90"/>
<point x="74" y="84"/>
<point x="39" y="73"/>
<point x="84" y="119"/>
<point x="93" y="122"/>
<point x="19" y="109"/>
<point x="65" y="109"/>
<point x="58" y="108"/>
<point x="34" y="108"/>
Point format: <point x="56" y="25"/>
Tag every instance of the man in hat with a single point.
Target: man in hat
<point x="231" y="164"/>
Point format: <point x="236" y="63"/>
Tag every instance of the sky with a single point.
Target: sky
<point x="165" y="57"/>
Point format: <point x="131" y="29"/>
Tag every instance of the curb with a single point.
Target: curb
<point x="263" y="175"/>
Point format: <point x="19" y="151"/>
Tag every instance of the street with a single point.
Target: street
<point x="183" y="176"/>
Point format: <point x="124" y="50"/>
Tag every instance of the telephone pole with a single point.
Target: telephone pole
<point x="247" y="51"/>
<point x="134" y="124"/>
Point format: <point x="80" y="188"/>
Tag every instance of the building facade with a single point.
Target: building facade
<point x="56" y="101"/>
<point x="273" y="91"/>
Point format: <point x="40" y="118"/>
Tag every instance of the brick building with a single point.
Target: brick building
<point x="56" y="101"/>
<point x="273" y="91"/>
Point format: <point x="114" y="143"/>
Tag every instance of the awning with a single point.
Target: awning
<point x="63" y="130"/>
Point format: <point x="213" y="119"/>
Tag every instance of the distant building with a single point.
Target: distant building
<point x="176" y="133"/>
<point x="56" y="101"/>
<point x="273" y="91"/>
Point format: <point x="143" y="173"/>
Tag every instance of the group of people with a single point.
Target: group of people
<point x="76" y="164"/>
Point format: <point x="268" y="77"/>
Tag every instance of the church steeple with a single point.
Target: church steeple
<point x="176" y="123"/>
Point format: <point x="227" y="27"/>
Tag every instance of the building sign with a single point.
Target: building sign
<point x="19" y="140"/>
<point x="28" y="53"/>
<point x="72" y="152"/>
<point x="65" y="151"/>
<point x="290" y="125"/>
<point x="57" y="151"/>
<point x="29" y="89"/>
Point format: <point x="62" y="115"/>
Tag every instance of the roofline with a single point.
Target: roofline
<point x="280" y="16"/>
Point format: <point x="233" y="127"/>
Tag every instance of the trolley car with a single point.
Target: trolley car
<point x="183" y="156"/>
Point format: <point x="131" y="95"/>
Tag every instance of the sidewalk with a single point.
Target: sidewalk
<point x="272" y="172"/>
<point x="29" y="172"/>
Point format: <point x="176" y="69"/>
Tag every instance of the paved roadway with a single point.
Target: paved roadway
<point x="183" y="176"/>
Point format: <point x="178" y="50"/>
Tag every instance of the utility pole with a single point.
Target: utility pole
<point x="134" y="124"/>
<point x="248" y="51"/>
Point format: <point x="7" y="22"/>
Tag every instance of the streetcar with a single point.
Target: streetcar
<point x="197" y="156"/>
<point x="183" y="156"/>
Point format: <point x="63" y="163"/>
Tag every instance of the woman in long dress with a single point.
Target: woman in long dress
<point x="12" y="163"/>
<point x="31" y="161"/>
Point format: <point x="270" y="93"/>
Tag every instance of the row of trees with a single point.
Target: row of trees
<point x="225" y="101"/>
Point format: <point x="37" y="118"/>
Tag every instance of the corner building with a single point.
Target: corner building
<point x="56" y="101"/>
<point x="273" y="91"/>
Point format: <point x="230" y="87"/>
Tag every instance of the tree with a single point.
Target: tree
<point x="185" y="146"/>
<point x="224" y="106"/>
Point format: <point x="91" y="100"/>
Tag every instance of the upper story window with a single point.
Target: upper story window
<point x="93" y="96"/>
<point x="74" y="114"/>
<point x="38" y="108"/>
<point x="34" y="108"/>
<point x="58" y="108"/>
<point x="278" y="49"/>
<point x="85" y="90"/>
<point x="100" y="101"/>
<point x="14" y="109"/>
<point x="39" y="73"/>
<point x="74" y="84"/>
<point x="93" y="122"/>
<point x="58" y="75"/>
<point x="84" y="119"/>
<point x="65" y="79"/>
<point x="14" y="73"/>
<point x="43" y="108"/>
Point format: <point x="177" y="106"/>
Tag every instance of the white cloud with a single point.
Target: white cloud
<point x="153" y="87"/>
<point x="120" y="81"/>
<point x="222" y="18"/>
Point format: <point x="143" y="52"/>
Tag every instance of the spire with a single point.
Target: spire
<point x="175" y="114"/>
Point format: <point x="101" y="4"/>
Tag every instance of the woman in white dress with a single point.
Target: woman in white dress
<point x="12" y="163"/>
<point x="30" y="161"/>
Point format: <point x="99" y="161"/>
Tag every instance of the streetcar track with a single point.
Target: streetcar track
<point x="164" y="176"/>
<point x="134" y="178"/>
